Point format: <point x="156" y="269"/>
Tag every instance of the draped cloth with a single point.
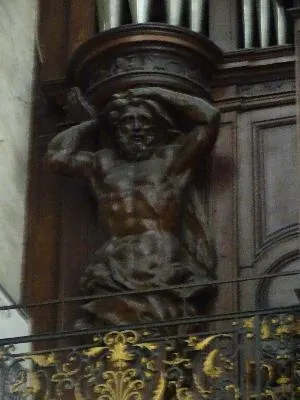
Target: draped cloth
<point x="156" y="263"/>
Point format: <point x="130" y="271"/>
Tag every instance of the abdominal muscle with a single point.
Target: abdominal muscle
<point x="143" y="237"/>
<point x="128" y="215"/>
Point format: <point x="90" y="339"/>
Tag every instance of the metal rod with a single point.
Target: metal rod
<point x="248" y="23"/>
<point x="153" y="290"/>
<point x="280" y="22"/>
<point x="153" y="324"/>
<point x="174" y="11"/>
<point x="109" y="13"/>
<point x="165" y="338"/>
<point x="263" y="12"/>
<point x="140" y="10"/>
<point x="257" y="354"/>
<point x="197" y="9"/>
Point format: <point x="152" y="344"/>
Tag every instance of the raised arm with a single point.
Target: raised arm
<point x="199" y="142"/>
<point x="204" y="117"/>
<point x="64" y="153"/>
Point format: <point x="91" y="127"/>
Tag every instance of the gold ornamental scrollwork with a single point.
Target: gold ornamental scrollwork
<point x="131" y="365"/>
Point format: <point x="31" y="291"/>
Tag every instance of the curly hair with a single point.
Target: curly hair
<point x="114" y="109"/>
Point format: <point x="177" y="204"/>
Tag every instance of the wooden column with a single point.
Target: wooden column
<point x="64" y="25"/>
<point x="81" y="24"/>
<point x="52" y="38"/>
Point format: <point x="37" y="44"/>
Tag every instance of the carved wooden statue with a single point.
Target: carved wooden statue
<point x="141" y="173"/>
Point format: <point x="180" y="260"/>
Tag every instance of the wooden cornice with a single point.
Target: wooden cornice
<point x="295" y="12"/>
<point x="240" y="68"/>
<point x="256" y="65"/>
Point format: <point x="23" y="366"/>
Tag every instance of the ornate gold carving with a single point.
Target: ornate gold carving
<point x="29" y="384"/>
<point x="121" y="385"/>
<point x="131" y="365"/>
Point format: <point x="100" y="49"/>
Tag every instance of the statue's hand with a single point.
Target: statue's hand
<point x="79" y="108"/>
<point x="74" y="96"/>
<point x="59" y="159"/>
<point x="142" y="92"/>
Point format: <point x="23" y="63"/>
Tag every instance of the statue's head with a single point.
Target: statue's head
<point x="136" y="135"/>
<point x="139" y="126"/>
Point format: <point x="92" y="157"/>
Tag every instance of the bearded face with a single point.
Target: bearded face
<point x="136" y="136"/>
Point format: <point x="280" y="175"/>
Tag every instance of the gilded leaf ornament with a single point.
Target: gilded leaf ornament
<point x="133" y="365"/>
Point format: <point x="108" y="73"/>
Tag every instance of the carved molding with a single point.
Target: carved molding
<point x="269" y="87"/>
<point x="248" y="103"/>
<point x="256" y="65"/>
<point x="287" y="233"/>
<point x="268" y="94"/>
<point x="277" y="266"/>
<point x="270" y="256"/>
<point x="295" y="12"/>
<point x="264" y="264"/>
<point x="145" y="62"/>
<point x="262" y="236"/>
<point x="259" y="73"/>
<point x="141" y="54"/>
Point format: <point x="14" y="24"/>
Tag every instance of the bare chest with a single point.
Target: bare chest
<point x="139" y="182"/>
<point x="148" y="174"/>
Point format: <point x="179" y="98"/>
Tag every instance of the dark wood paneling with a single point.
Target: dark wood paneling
<point x="51" y="269"/>
<point x="53" y="30"/>
<point x="81" y="24"/>
<point x="78" y="243"/>
<point x="223" y="214"/>
<point x="61" y="218"/>
<point x="41" y="269"/>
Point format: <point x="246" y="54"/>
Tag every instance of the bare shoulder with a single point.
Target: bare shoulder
<point x="170" y="151"/>
<point x="105" y="159"/>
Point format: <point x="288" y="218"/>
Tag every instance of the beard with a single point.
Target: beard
<point x="135" y="149"/>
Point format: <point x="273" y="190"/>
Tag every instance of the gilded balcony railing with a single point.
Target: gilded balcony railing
<point x="254" y="356"/>
<point x="261" y="23"/>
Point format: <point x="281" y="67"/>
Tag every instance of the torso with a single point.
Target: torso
<point x="137" y="197"/>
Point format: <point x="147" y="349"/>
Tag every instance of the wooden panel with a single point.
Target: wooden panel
<point x="266" y="160"/>
<point x="81" y="24"/>
<point x="297" y="69"/>
<point x="267" y="201"/>
<point x="281" y="291"/>
<point x="52" y="38"/>
<point x="276" y="202"/>
<point x="223" y="212"/>
<point x="273" y="259"/>
<point x="78" y="243"/>
<point x="42" y="240"/>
